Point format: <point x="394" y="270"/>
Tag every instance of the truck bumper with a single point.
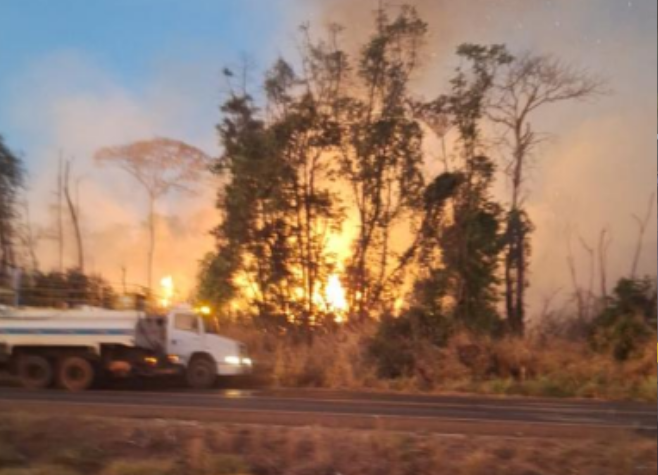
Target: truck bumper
<point x="128" y="370"/>
<point x="234" y="370"/>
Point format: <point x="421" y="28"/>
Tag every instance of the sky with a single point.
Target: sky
<point x="76" y="75"/>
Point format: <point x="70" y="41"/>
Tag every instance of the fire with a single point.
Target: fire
<point x="337" y="298"/>
<point x="168" y="290"/>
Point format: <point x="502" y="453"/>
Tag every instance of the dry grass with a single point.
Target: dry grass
<point x="128" y="447"/>
<point x="554" y="368"/>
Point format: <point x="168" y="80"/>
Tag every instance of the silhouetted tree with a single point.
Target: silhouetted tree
<point x="160" y="166"/>
<point x="11" y="181"/>
<point x="382" y="152"/>
<point x="528" y="85"/>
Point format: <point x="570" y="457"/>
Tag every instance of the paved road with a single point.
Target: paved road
<point x="446" y="415"/>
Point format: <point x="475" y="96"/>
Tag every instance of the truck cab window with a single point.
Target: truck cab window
<point x="187" y="322"/>
<point x="211" y="325"/>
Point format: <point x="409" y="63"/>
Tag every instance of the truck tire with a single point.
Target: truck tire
<point x="35" y="372"/>
<point x="201" y="373"/>
<point x="76" y="374"/>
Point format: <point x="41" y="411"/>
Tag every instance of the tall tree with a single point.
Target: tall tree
<point x="528" y="85"/>
<point x="459" y="240"/>
<point x="253" y="237"/>
<point x="382" y="151"/>
<point x="161" y="166"/>
<point x="74" y="213"/>
<point x="279" y="206"/>
<point x="308" y="137"/>
<point x="11" y="181"/>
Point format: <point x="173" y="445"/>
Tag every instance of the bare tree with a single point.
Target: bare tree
<point x="578" y="292"/>
<point x="604" y="245"/>
<point x="75" y="216"/>
<point x="60" y="212"/>
<point x="642" y="224"/>
<point x="161" y="166"/>
<point x="589" y="298"/>
<point x="27" y="237"/>
<point x="530" y="83"/>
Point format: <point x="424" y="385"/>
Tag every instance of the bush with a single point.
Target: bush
<point x="629" y="320"/>
<point x="399" y="342"/>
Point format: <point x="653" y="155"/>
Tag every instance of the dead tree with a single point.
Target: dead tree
<point x="75" y="216"/>
<point x="642" y="224"/>
<point x="604" y="244"/>
<point x="160" y="166"/>
<point x="28" y="238"/>
<point x="530" y="83"/>
<point x="60" y="213"/>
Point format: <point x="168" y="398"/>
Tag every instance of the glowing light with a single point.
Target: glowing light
<point x="168" y="291"/>
<point x="337" y="298"/>
<point x="205" y="310"/>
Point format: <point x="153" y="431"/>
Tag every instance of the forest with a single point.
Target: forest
<point x="360" y="239"/>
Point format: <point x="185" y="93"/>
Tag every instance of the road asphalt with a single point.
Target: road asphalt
<point x="448" y="415"/>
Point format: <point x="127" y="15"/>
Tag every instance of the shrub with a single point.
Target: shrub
<point x="399" y="342"/>
<point x="629" y="320"/>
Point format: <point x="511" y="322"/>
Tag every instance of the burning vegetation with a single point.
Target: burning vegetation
<point x="339" y="146"/>
<point x="338" y="219"/>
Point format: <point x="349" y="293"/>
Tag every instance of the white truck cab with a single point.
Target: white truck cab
<point x="194" y="342"/>
<point x="73" y="348"/>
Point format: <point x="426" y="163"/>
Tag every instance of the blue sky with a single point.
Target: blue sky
<point x="127" y="34"/>
<point x="128" y="38"/>
<point x="76" y="75"/>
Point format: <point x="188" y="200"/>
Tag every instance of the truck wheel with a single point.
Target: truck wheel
<point x="201" y="373"/>
<point x="76" y="374"/>
<point x="35" y="372"/>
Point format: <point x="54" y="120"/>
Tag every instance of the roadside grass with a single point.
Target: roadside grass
<point x="40" y="470"/>
<point x="158" y="447"/>
<point x="553" y="368"/>
<point x="141" y="467"/>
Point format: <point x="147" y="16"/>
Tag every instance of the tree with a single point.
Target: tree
<point x="459" y="239"/>
<point x="279" y="207"/>
<point x="529" y="84"/>
<point x="382" y="152"/>
<point x="161" y="166"/>
<point x="253" y="239"/>
<point x="75" y="216"/>
<point x="66" y="289"/>
<point x="11" y="181"/>
<point x="628" y="320"/>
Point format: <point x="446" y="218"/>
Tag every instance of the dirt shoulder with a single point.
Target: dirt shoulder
<point x="69" y="445"/>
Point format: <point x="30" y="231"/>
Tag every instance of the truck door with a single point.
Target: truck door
<point x="186" y="336"/>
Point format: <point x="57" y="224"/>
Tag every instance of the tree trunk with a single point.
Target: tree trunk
<point x="151" y="250"/>
<point x="515" y="262"/>
<point x="75" y="218"/>
<point x="60" y="217"/>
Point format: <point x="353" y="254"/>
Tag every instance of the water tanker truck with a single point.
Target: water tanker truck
<point x="74" y="349"/>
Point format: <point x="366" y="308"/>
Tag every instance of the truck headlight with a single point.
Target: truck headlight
<point x="233" y="360"/>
